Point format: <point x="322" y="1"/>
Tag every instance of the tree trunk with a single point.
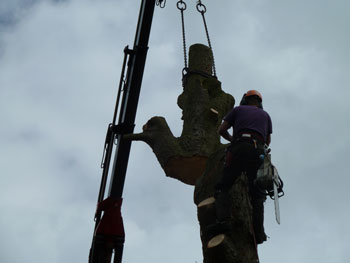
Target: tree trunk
<point x="238" y="245"/>
<point x="197" y="157"/>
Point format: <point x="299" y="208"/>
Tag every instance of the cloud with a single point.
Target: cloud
<point x="59" y="67"/>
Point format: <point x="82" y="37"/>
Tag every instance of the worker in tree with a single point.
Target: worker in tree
<point x="252" y="130"/>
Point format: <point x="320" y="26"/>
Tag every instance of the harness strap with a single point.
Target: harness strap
<point x="250" y="135"/>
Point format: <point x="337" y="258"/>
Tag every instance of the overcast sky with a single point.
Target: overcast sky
<point x="60" y="64"/>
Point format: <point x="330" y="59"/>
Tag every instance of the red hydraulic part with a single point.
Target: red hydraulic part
<point x="111" y="223"/>
<point x="109" y="235"/>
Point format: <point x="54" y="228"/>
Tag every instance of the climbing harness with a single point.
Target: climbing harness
<point x="201" y="8"/>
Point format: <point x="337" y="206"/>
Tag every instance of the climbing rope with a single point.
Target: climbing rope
<point x="202" y="9"/>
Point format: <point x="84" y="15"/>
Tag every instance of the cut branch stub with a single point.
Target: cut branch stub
<point x="203" y="105"/>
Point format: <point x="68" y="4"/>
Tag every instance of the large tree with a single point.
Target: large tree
<point x="197" y="158"/>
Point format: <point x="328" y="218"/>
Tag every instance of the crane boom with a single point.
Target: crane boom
<point x="109" y="232"/>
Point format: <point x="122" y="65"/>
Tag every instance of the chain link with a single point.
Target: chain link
<point x="181" y="5"/>
<point x="161" y="3"/>
<point x="201" y="8"/>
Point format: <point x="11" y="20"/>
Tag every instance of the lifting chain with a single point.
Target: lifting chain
<point x="201" y="8"/>
<point x="161" y="3"/>
<point x="181" y="5"/>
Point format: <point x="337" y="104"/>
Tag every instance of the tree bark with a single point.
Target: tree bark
<point x="197" y="157"/>
<point x="239" y="243"/>
<point x="203" y="105"/>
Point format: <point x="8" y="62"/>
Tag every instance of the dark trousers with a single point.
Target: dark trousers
<point x="241" y="156"/>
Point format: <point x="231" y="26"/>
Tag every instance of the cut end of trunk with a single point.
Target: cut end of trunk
<point x="208" y="201"/>
<point x="186" y="169"/>
<point x="214" y="111"/>
<point x="215" y="241"/>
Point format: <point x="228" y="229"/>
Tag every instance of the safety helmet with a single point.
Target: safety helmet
<point x="250" y="93"/>
<point x="253" y="93"/>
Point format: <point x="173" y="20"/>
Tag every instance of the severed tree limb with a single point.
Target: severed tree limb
<point x="203" y="105"/>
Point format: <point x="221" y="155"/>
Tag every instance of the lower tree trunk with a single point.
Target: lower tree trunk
<point x="238" y="244"/>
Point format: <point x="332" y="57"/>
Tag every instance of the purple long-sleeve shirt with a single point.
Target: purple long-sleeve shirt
<point x="249" y="117"/>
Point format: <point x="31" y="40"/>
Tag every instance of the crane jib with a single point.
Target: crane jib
<point x="109" y="230"/>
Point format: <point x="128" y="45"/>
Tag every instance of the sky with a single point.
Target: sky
<point x="60" y="64"/>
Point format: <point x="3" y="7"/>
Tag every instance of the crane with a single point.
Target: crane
<point x="109" y="235"/>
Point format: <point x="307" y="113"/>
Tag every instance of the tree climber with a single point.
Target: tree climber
<point x="252" y="128"/>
